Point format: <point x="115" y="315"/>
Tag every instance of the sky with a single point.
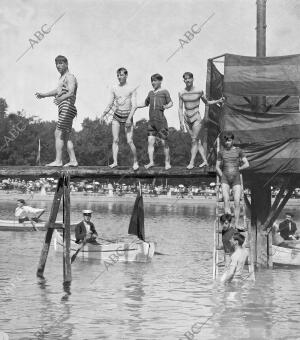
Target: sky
<point x="99" y="36"/>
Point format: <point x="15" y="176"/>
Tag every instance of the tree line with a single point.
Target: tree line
<point x="20" y="135"/>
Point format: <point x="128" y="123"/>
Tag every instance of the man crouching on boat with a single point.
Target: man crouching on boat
<point x="85" y="230"/>
<point x="26" y="213"/>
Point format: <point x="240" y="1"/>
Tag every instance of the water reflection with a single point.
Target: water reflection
<point x="160" y="300"/>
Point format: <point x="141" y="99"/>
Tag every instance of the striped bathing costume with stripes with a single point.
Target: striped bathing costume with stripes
<point x="66" y="109"/>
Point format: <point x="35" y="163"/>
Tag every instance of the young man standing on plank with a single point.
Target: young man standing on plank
<point x="159" y="100"/>
<point x="189" y="99"/>
<point x="65" y="97"/>
<point x="122" y="98"/>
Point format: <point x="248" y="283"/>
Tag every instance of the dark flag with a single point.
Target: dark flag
<point x="136" y="225"/>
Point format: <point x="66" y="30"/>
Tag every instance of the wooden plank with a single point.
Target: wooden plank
<point x="106" y="172"/>
<point x="67" y="231"/>
<point x="52" y="219"/>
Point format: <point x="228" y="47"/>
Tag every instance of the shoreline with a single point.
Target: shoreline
<point x="78" y="196"/>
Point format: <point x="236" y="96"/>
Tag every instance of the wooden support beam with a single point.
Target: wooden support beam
<point x="52" y="219"/>
<point x="273" y="209"/>
<point x="105" y="172"/>
<point x="277" y="212"/>
<point x="67" y="230"/>
<point x="261" y="205"/>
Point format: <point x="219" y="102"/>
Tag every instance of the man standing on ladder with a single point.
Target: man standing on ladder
<point x="229" y="158"/>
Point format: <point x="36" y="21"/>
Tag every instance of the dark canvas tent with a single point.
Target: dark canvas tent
<point x="271" y="140"/>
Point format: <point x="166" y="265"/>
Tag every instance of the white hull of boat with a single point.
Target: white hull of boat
<point x="14" y="225"/>
<point x="9" y="225"/>
<point x="289" y="256"/>
<point x="127" y="251"/>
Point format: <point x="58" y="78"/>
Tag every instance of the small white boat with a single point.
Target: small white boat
<point x="14" y="225"/>
<point x="126" y="251"/>
<point x="286" y="253"/>
<point x="133" y="248"/>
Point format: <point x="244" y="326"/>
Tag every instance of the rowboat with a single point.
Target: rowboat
<point x="286" y="253"/>
<point x="14" y="225"/>
<point x="125" y="251"/>
<point x="132" y="248"/>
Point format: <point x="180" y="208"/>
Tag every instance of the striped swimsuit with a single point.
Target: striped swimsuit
<point x="66" y="109"/>
<point x="191" y="116"/>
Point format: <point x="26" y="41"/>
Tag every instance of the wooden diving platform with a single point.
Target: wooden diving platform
<point x="105" y="172"/>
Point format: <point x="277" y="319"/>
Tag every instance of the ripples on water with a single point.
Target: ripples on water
<point x="159" y="300"/>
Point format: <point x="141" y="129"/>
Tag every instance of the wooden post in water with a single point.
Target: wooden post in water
<point x="50" y="226"/>
<point x="260" y="190"/>
<point x="67" y="231"/>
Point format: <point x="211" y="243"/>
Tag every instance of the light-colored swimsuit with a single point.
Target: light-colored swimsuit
<point x="192" y="116"/>
<point x="122" y="103"/>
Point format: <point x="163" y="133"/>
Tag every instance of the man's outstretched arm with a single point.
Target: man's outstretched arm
<point x="52" y="93"/>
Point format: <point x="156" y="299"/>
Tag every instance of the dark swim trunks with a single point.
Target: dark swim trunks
<point x="230" y="165"/>
<point x="158" y="125"/>
<point x="157" y="130"/>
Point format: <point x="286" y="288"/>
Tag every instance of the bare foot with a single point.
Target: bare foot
<point x="135" y="166"/>
<point x="148" y="166"/>
<point x="113" y="165"/>
<point x="74" y="163"/>
<point x="190" y="166"/>
<point x="54" y="164"/>
<point x="167" y="166"/>
<point x="202" y="165"/>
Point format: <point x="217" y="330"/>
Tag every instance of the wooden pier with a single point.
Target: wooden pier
<point x="105" y="172"/>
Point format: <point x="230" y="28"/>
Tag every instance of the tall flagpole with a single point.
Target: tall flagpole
<point x="38" y="157"/>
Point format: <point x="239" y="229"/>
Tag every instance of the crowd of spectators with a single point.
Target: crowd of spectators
<point x="46" y="186"/>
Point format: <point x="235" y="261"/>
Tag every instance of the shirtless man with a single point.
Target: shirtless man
<point x="190" y="97"/>
<point x="237" y="261"/>
<point x="158" y="101"/>
<point x="65" y="97"/>
<point x="122" y="98"/>
<point x="229" y="159"/>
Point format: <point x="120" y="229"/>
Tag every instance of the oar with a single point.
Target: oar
<point x="78" y="250"/>
<point x="33" y="223"/>
<point x="158" y="253"/>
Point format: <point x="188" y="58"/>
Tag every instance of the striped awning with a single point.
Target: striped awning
<point x="267" y="76"/>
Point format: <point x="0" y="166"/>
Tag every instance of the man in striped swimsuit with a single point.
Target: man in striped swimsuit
<point x="190" y="97"/>
<point x="122" y="97"/>
<point x="65" y="97"/>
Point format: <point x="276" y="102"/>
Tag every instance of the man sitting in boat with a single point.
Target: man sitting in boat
<point x="26" y="213"/>
<point x="237" y="261"/>
<point x="85" y="230"/>
<point x="287" y="228"/>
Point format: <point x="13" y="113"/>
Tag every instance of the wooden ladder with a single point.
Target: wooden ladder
<point x="219" y="259"/>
